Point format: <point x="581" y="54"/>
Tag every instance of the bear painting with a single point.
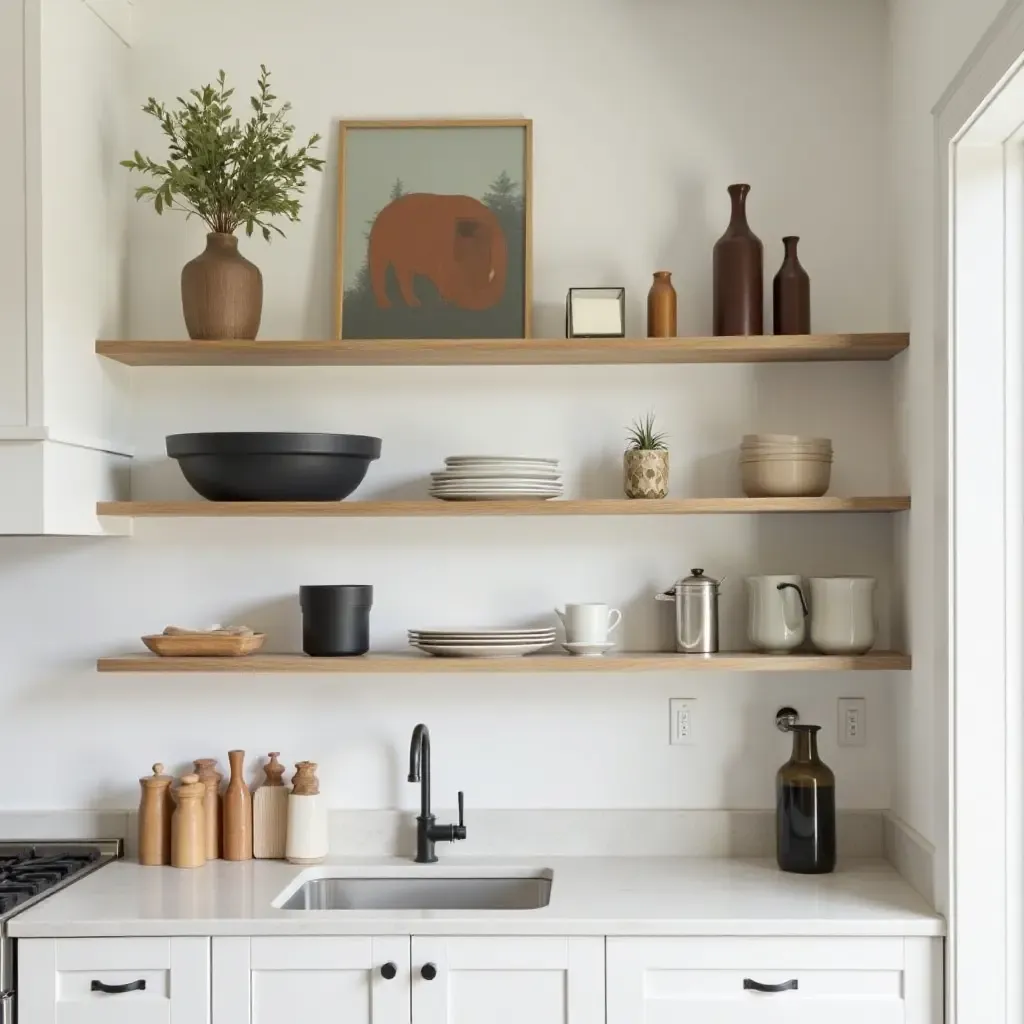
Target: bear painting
<point x="434" y="230"/>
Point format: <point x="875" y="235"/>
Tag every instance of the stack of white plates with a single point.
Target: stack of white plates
<point x="481" y="643"/>
<point x="496" y="477"/>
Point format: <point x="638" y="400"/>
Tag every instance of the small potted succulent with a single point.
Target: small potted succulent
<point x="230" y="175"/>
<point x="645" y="461"/>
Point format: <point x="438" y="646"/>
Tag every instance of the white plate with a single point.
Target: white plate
<point x="589" y="650"/>
<point x="475" y="641"/>
<point x="485" y="632"/>
<point x="493" y="651"/>
<point x="496" y="474"/>
<point x="453" y="460"/>
<point x="500" y="496"/>
<point x="542" y="492"/>
<point x="499" y="481"/>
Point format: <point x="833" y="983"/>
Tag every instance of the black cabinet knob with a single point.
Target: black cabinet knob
<point x="388" y="971"/>
<point x="428" y="972"/>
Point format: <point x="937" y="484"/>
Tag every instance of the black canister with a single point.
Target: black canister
<point x="336" y="620"/>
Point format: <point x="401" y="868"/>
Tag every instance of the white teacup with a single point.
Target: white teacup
<point x="588" y="623"/>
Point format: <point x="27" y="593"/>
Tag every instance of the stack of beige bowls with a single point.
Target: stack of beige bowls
<point x="785" y="466"/>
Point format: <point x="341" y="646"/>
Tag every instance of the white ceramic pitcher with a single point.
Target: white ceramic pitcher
<point x="843" y="614"/>
<point x="777" y="613"/>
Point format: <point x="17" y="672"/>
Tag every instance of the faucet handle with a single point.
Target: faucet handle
<point x="459" y="831"/>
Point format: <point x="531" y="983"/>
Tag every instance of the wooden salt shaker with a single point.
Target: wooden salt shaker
<point x="237" y="811"/>
<point x="270" y="813"/>
<point x="188" y="846"/>
<point x="206" y="769"/>
<point x="155" y="810"/>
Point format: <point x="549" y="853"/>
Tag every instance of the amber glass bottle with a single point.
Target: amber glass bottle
<point x="805" y="792"/>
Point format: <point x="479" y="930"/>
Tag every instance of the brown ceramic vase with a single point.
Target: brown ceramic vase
<point x="221" y="292"/>
<point x="791" y="293"/>
<point x="661" y="307"/>
<point x="738" y="273"/>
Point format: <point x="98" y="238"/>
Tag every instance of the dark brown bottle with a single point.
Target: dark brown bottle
<point x="791" y="293"/>
<point x="738" y="273"/>
<point x="661" y="307"/>
<point x="805" y="792"/>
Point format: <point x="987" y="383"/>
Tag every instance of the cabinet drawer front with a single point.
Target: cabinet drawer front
<point x="730" y="981"/>
<point x="115" y="954"/>
<point x="78" y="1002"/>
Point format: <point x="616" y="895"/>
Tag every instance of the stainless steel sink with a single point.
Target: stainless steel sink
<point x="422" y="893"/>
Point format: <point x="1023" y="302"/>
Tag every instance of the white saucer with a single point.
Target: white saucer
<point x="589" y="650"/>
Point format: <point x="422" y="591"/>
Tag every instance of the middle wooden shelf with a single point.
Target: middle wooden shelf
<point x="414" y="663"/>
<point x="433" y="507"/>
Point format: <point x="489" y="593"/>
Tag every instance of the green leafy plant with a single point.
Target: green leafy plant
<point x="227" y="173"/>
<point x="642" y="436"/>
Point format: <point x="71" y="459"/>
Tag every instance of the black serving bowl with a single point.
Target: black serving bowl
<point x="273" y="467"/>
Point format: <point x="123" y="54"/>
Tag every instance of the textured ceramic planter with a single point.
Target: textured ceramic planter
<point x="645" y="474"/>
<point x="221" y="292"/>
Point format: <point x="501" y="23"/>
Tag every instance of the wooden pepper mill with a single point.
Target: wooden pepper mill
<point x="270" y="813"/>
<point x="237" y="811"/>
<point x="155" y="810"/>
<point x="206" y="769"/>
<point x="188" y="832"/>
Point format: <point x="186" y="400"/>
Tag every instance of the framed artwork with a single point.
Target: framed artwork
<point x="434" y="229"/>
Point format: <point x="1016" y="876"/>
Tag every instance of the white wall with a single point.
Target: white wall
<point x="930" y="41"/>
<point x="638" y="129"/>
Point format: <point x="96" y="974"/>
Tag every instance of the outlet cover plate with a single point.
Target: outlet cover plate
<point x="853" y="722"/>
<point x="681" y="718"/>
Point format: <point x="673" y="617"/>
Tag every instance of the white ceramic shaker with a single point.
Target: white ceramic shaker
<point x="307" y="818"/>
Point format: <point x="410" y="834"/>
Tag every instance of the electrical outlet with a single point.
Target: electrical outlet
<point x="853" y="722"/>
<point x="681" y="711"/>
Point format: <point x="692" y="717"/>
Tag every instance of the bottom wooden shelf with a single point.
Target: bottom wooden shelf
<point x="414" y="662"/>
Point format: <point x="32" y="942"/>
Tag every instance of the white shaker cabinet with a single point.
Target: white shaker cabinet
<point x="315" y="980"/>
<point x="774" y="980"/>
<point x="114" y="981"/>
<point x="508" y="980"/>
<point x="395" y="980"/>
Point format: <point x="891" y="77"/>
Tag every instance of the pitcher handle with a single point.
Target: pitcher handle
<point x="803" y="603"/>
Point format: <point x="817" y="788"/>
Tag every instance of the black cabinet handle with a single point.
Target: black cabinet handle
<point x="117" y="990"/>
<point x="428" y="972"/>
<point x="756" y="986"/>
<point x="388" y="971"/>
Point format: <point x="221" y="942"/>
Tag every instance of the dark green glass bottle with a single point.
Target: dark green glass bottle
<point x="805" y="793"/>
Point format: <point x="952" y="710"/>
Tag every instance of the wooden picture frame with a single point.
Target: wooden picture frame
<point x="445" y="285"/>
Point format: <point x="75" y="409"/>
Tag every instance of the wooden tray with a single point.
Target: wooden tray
<point x="204" y="645"/>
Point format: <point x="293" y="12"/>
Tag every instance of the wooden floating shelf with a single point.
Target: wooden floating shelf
<point x="798" y="348"/>
<point x="875" y="661"/>
<point x="433" y="507"/>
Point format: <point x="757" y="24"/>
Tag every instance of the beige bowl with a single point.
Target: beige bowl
<point x="786" y="439"/>
<point x="786" y="453"/>
<point x="785" y="478"/>
<point x="786" y="457"/>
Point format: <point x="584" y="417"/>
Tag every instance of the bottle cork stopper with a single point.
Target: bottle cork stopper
<point x="189" y="780"/>
<point x="305" y="782"/>
<point x="274" y="770"/>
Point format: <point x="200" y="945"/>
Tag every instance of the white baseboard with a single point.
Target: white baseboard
<point x="910" y="854"/>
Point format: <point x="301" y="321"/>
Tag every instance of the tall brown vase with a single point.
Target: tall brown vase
<point x="661" y="307"/>
<point x="739" y="273"/>
<point x="221" y="292"/>
<point x="237" y="843"/>
<point x="791" y="293"/>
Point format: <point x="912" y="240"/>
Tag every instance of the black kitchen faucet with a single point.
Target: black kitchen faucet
<point x="428" y="831"/>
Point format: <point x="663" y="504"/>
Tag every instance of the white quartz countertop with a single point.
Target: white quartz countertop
<point x="589" y="896"/>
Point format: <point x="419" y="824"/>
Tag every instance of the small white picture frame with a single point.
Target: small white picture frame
<point x="595" y="313"/>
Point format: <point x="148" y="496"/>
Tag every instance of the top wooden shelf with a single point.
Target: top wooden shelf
<point x="801" y="348"/>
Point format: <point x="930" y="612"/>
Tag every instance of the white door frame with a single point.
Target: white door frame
<point x="979" y="388"/>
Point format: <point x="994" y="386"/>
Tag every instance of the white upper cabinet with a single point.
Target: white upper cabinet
<point x="63" y="249"/>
